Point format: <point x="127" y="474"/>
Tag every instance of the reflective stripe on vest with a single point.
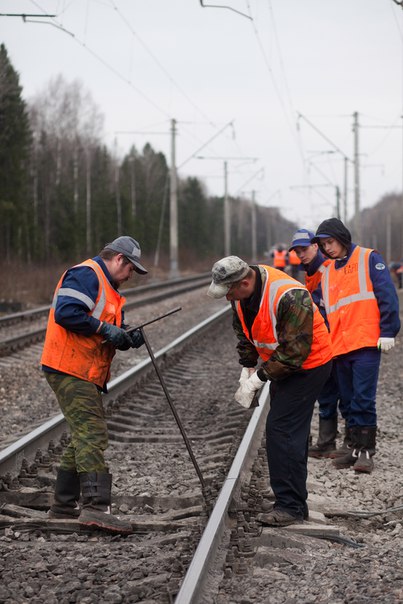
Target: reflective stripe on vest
<point x="96" y="308"/>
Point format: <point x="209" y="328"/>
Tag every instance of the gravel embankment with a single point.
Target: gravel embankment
<point x="323" y="572"/>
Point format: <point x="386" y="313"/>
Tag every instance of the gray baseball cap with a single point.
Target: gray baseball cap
<point x="130" y="248"/>
<point x="225" y="272"/>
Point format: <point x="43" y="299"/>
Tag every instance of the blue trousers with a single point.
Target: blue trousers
<point x="330" y="399"/>
<point x="287" y="433"/>
<point x="357" y="376"/>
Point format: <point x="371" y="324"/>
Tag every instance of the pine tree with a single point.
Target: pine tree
<point x="15" y="138"/>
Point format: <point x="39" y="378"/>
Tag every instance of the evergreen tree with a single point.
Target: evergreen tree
<point x="15" y="138"/>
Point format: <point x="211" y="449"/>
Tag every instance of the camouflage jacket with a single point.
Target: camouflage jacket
<point x="294" y="331"/>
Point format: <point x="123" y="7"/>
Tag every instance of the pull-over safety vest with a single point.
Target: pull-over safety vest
<point x="84" y="357"/>
<point x="264" y="334"/>
<point x="279" y="259"/>
<point x="351" y="306"/>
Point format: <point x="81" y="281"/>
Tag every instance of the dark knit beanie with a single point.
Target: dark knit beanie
<point x="333" y="227"/>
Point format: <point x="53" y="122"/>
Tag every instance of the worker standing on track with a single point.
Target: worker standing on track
<point x="274" y="319"/>
<point x="280" y="257"/>
<point x="294" y="263"/>
<point x="362" y="309"/>
<point x="314" y="263"/>
<point x="85" y="327"/>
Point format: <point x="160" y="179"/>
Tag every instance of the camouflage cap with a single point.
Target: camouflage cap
<point x="225" y="272"/>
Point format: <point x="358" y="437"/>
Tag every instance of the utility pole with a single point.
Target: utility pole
<point x="227" y="214"/>
<point x="254" y="239"/>
<point x="336" y="148"/>
<point x="357" y="218"/>
<point x="345" y="189"/>
<point x="227" y="207"/>
<point x="173" y="208"/>
<point x="338" y="202"/>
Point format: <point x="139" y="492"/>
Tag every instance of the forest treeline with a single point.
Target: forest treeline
<point x="64" y="194"/>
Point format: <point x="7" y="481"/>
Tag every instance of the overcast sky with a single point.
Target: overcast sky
<point x="148" y="61"/>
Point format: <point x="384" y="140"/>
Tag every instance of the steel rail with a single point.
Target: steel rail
<point x="15" y="342"/>
<point x="43" y="310"/>
<point x="195" y="581"/>
<point x="27" y="446"/>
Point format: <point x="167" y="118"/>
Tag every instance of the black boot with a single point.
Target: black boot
<point x="367" y="440"/>
<point x="345" y="447"/>
<point x="351" y="452"/>
<point x="96" y="490"/>
<point x="67" y="494"/>
<point x="327" y="438"/>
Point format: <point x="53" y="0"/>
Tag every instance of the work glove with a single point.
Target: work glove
<point x="136" y="338"/>
<point x="385" y="344"/>
<point x="116" y="336"/>
<point x="246" y="373"/>
<point x="247" y="390"/>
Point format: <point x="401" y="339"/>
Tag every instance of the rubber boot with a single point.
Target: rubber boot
<point x="327" y="438"/>
<point x="345" y="447"/>
<point x="67" y="494"/>
<point x="351" y="453"/>
<point x="367" y="440"/>
<point x="96" y="490"/>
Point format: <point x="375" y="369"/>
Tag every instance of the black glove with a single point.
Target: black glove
<point x="116" y="336"/>
<point x="137" y="338"/>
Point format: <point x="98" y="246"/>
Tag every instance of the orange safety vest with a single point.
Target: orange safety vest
<point x="350" y="303"/>
<point x="293" y="258"/>
<point x="84" y="357"/>
<point x="312" y="281"/>
<point x="264" y="334"/>
<point x="279" y="259"/>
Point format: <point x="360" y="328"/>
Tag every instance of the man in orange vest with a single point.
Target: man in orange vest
<point x="85" y="327"/>
<point x="362" y="309"/>
<point x="276" y="320"/>
<point x="280" y="258"/>
<point x="294" y="262"/>
<point x="314" y="263"/>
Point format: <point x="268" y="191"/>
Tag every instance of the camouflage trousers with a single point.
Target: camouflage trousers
<point x="81" y="405"/>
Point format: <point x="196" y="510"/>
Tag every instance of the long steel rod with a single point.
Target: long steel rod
<point x="173" y="409"/>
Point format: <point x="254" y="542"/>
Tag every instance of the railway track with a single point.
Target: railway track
<point x="186" y="548"/>
<point x="22" y="329"/>
<point x="174" y="508"/>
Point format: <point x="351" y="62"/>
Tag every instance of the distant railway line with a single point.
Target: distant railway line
<point x="21" y="329"/>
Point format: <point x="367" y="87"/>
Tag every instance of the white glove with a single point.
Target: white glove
<point x="246" y="373"/>
<point x="246" y="391"/>
<point x="385" y="344"/>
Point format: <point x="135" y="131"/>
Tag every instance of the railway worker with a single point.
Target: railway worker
<point x="275" y="319"/>
<point x="313" y="263"/>
<point x="280" y="257"/>
<point x="85" y="327"/>
<point x="294" y="263"/>
<point x="362" y="309"/>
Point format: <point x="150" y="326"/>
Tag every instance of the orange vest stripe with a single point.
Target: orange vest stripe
<point x="351" y="306"/>
<point x="264" y="332"/>
<point x="84" y="357"/>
